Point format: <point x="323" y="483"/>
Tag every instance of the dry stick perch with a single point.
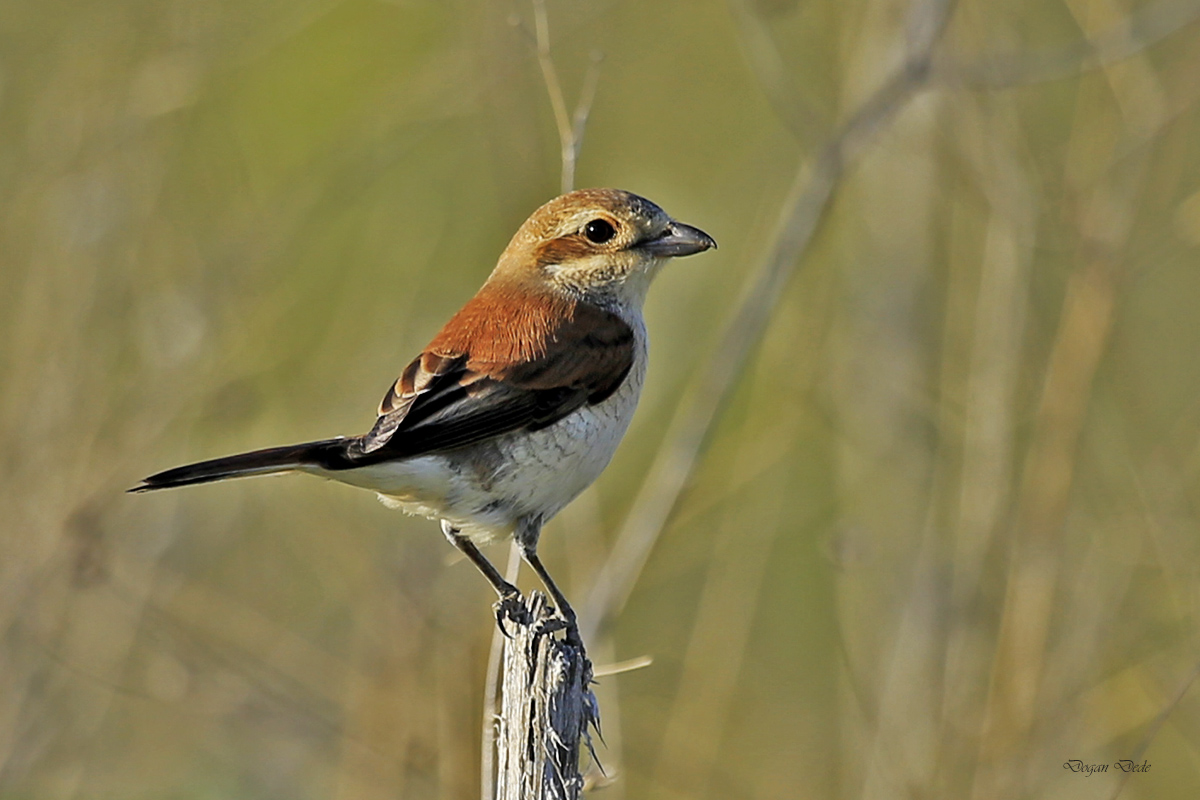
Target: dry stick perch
<point x="546" y="709"/>
<point x="487" y="752"/>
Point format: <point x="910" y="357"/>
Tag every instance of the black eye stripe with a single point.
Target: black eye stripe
<point x="599" y="231"/>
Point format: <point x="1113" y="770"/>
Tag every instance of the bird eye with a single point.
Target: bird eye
<point x="599" y="231"/>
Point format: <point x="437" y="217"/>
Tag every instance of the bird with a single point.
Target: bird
<point x="519" y="402"/>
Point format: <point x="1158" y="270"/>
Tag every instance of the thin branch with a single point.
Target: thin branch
<point x="583" y="109"/>
<point x="799" y="114"/>
<point x="801" y="213"/>
<point x="621" y="667"/>
<point x="570" y="125"/>
<point x="558" y="103"/>
<point x="1141" y="29"/>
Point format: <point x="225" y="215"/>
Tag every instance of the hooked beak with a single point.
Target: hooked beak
<point x="679" y="240"/>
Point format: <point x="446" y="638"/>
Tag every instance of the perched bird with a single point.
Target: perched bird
<point x="518" y="404"/>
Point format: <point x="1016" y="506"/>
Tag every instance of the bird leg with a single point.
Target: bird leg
<point x="510" y="604"/>
<point x="560" y="599"/>
<point x="527" y="538"/>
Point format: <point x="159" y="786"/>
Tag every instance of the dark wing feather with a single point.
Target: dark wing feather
<point x="428" y="383"/>
<point x="453" y="399"/>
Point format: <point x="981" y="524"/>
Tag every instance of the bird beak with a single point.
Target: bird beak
<point x="679" y="240"/>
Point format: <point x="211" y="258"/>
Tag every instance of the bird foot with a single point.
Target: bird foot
<point x="565" y="616"/>
<point x="511" y="606"/>
<point x="558" y="621"/>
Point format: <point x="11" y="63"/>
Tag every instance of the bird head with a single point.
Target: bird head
<point x="602" y="245"/>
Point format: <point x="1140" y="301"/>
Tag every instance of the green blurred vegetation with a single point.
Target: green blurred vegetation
<point x="943" y="538"/>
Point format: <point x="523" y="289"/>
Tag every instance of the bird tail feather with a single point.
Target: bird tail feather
<point x="327" y="453"/>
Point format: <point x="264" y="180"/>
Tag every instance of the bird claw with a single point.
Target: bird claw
<point x="566" y="622"/>
<point x="510" y="606"/>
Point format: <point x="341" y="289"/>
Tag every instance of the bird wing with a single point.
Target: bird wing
<point x="490" y="373"/>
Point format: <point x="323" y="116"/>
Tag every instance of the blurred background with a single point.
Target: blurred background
<point x="940" y="537"/>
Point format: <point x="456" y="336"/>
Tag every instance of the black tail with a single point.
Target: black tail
<point x="328" y="453"/>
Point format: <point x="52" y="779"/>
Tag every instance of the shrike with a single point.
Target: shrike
<point x="518" y="404"/>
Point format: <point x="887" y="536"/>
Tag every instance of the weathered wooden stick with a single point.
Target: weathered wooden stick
<point x="545" y="711"/>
